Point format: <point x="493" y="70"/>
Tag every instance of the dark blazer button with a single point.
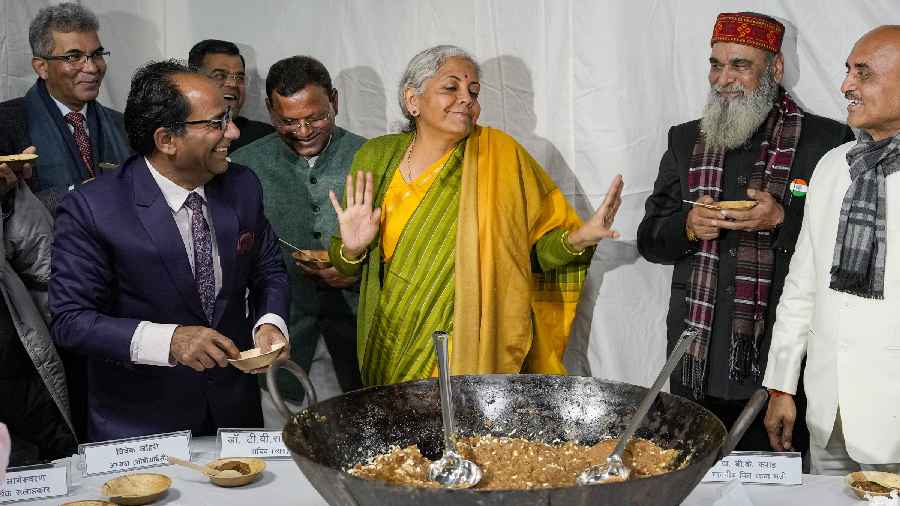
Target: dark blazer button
<point x="317" y="234"/>
<point x="313" y="180"/>
<point x="732" y="251"/>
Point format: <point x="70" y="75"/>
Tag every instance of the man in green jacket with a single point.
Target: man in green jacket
<point x="305" y="158"/>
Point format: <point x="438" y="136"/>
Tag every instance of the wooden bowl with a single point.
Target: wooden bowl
<point x="250" y="470"/>
<point x="134" y="489"/>
<point x="254" y="358"/>
<point x="88" y="503"/>
<point x="738" y="205"/>
<point x="888" y="480"/>
<point x="313" y="258"/>
<point x="28" y="157"/>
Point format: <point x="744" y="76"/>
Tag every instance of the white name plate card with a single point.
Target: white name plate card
<point x="772" y="468"/>
<point x="134" y="453"/>
<point x="259" y="443"/>
<point x="34" y="482"/>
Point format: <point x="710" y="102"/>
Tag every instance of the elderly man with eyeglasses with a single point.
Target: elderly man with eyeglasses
<point x="222" y="61"/>
<point x="167" y="268"/>
<point x="305" y="158"/>
<point x="59" y="116"/>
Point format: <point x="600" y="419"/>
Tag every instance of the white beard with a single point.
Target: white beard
<point x="727" y="124"/>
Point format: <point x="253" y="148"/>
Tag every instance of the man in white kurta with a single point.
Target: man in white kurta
<point x="849" y="333"/>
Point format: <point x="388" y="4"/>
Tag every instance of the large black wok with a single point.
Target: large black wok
<point x="328" y="437"/>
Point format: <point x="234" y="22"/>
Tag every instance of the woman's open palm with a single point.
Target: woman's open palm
<point x="599" y="226"/>
<point x="359" y="223"/>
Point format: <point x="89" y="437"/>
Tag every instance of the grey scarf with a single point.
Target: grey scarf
<point x="861" y="247"/>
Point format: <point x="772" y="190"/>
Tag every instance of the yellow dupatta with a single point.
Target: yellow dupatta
<point x="506" y="319"/>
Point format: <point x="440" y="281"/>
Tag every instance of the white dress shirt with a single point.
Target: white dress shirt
<point x="152" y="342"/>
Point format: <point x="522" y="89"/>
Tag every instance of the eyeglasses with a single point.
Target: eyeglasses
<point x="79" y="59"/>
<point x="292" y="125"/>
<point x="221" y="77"/>
<point x="212" y="124"/>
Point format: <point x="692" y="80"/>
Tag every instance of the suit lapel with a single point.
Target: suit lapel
<point x="225" y="223"/>
<point x="156" y="216"/>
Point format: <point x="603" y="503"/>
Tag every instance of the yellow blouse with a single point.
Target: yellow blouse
<point x="400" y="202"/>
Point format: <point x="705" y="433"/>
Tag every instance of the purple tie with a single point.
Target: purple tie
<point x="203" y="260"/>
<point x="81" y="139"/>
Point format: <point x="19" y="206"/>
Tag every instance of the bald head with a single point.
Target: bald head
<point x="884" y="33"/>
<point x="872" y="84"/>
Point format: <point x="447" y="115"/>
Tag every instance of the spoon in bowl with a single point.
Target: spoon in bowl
<point x="208" y="471"/>
<point x="451" y="470"/>
<point x="615" y="469"/>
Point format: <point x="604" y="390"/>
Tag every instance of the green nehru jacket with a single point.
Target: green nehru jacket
<point x="297" y="205"/>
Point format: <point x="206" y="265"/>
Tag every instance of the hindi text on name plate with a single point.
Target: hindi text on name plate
<point x="259" y="443"/>
<point x="34" y="482"/>
<point x="773" y="468"/>
<point x="134" y="453"/>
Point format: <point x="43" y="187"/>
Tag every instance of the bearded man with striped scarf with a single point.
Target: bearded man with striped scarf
<point x="752" y="143"/>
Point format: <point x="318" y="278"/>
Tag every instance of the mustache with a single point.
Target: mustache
<point x="735" y="88"/>
<point x="851" y="96"/>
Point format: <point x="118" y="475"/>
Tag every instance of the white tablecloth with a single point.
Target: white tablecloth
<point x="284" y="484"/>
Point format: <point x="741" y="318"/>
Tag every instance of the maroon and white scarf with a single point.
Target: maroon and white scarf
<point x="755" y="259"/>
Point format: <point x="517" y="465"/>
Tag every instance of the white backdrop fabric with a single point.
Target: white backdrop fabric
<point x="589" y="87"/>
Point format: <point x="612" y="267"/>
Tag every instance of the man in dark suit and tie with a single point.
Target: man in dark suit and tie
<point x="151" y="265"/>
<point x="75" y="135"/>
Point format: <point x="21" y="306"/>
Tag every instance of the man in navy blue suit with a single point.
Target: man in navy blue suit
<point x="152" y="266"/>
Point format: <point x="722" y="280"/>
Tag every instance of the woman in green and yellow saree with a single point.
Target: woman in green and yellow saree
<point x="455" y="227"/>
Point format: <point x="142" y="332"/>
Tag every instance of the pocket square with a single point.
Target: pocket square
<point x="245" y="242"/>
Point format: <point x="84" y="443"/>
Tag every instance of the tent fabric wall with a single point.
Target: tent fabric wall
<point x="589" y="87"/>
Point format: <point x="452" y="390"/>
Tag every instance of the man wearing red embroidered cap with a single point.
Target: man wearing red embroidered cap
<point x="751" y="143"/>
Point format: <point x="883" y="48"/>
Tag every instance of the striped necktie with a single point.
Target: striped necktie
<point x="82" y="140"/>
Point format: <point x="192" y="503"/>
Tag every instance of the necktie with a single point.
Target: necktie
<point x="203" y="261"/>
<point x="81" y="140"/>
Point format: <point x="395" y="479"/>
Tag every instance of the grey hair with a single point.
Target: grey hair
<point x="64" y="18"/>
<point x="423" y="67"/>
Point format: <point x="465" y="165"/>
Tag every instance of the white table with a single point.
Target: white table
<point x="284" y="484"/>
<point x="816" y="490"/>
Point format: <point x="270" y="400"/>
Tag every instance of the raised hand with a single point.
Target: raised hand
<point x="599" y="226"/>
<point x="359" y="223"/>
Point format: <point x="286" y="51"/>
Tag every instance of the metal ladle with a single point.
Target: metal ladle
<point x="451" y="470"/>
<point x="614" y="468"/>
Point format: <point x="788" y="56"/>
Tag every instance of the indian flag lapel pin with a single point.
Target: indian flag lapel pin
<point x="799" y="187"/>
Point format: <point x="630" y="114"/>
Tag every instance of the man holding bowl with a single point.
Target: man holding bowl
<point x="298" y="165"/>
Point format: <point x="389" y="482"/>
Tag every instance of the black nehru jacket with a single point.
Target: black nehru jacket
<point x="661" y="237"/>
